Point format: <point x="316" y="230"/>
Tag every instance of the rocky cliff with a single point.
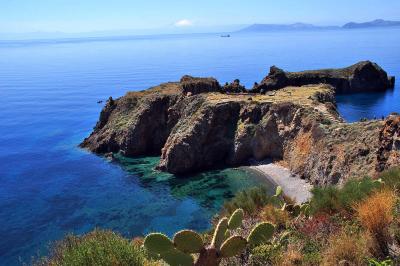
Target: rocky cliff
<point x="194" y="127"/>
<point x="361" y="77"/>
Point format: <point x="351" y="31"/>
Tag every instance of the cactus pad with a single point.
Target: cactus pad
<point x="177" y="258"/>
<point x="236" y="219"/>
<point x="188" y="241"/>
<point x="219" y="234"/>
<point x="278" y="191"/>
<point x="158" y="243"/>
<point x="227" y="234"/>
<point x="233" y="246"/>
<point x="261" y="234"/>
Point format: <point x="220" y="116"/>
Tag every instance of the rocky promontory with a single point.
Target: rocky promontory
<point x="194" y="127"/>
<point x="364" y="76"/>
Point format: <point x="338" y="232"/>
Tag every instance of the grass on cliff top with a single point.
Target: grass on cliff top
<point x="164" y="88"/>
<point x="296" y="95"/>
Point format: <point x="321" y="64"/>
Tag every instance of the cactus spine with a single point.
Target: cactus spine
<point x="186" y="242"/>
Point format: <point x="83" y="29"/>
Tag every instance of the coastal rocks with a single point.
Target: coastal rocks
<point x="136" y="124"/>
<point x="233" y="87"/>
<point x="195" y="130"/>
<point x="194" y="86"/>
<point x="202" y="141"/>
<point x="388" y="154"/>
<point x="364" y="76"/>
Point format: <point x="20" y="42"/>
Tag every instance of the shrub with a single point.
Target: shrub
<point x="316" y="226"/>
<point x="266" y="255"/>
<point x="275" y="215"/>
<point x="332" y="199"/>
<point x="324" y="199"/>
<point x="376" y="215"/>
<point x="344" y="249"/>
<point x="391" y="178"/>
<point x="250" y="200"/>
<point x="292" y="256"/>
<point x="311" y="253"/>
<point x="95" y="248"/>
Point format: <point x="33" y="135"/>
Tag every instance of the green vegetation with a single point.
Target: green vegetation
<point x="332" y="199"/>
<point x="391" y="178"/>
<point x="185" y="243"/>
<point x="249" y="200"/>
<point x="95" y="248"/>
<point x="355" y="224"/>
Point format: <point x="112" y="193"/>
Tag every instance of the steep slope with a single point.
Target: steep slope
<point x="195" y="127"/>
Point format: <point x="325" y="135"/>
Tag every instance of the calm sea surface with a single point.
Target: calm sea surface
<point x="48" y="98"/>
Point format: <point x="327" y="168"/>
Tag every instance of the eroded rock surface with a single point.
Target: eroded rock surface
<point x="193" y="127"/>
<point x="364" y="76"/>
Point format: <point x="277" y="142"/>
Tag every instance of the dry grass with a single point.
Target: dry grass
<point x="274" y="215"/>
<point x="344" y="249"/>
<point x="292" y="256"/>
<point x="297" y="95"/>
<point x="376" y="215"/>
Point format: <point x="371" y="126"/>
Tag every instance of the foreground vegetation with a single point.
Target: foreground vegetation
<point x="356" y="224"/>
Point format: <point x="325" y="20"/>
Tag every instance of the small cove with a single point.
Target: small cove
<point x="49" y="93"/>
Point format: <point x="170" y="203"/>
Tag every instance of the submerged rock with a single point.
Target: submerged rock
<point x="364" y="76"/>
<point x="193" y="127"/>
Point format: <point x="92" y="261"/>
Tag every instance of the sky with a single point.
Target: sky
<point x="168" y="16"/>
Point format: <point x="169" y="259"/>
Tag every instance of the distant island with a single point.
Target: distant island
<point x="304" y="26"/>
<point x="372" y="24"/>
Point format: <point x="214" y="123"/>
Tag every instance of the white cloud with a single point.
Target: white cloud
<point x="183" y="23"/>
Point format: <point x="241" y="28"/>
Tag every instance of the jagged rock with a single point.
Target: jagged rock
<point x="233" y="87"/>
<point x="388" y="154"/>
<point x="364" y="76"/>
<point x="194" y="86"/>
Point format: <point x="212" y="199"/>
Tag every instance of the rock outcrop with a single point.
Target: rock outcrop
<point x="193" y="127"/>
<point x="362" y="77"/>
<point x="193" y="85"/>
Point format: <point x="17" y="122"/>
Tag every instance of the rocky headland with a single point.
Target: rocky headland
<point x="193" y="125"/>
<point x="364" y="76"/>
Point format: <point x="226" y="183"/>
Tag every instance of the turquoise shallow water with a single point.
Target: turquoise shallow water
<point x="48" y="98"/>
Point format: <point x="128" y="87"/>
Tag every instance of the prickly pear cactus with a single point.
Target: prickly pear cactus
<point x="158" y="243"/>
<point x="188" y="241"/>
<point x="233" y="246"/>
<point x="261" y="234"/>
<point x="236" y="219"/>
<point x="219" y="234"/>
<point x="177" y="252"/>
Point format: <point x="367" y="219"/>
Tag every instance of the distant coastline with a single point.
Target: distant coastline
<point x="378" y="23"/>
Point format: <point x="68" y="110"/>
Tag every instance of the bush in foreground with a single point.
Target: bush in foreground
<point x="376" y="215"/>
<point x="95" y="248"/>
<point x="391" y="178"/>
<point x="345" y="249"/>
<point x="333" y="199"/>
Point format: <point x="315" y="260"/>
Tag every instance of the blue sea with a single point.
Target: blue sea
<point x="49" y="91"/>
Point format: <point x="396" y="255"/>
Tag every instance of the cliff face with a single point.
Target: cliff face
<point x="362" y="77"/>
<point x="194" y="127"/>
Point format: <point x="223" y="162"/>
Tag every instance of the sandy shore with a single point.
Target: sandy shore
<point x="293" y="186"/>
